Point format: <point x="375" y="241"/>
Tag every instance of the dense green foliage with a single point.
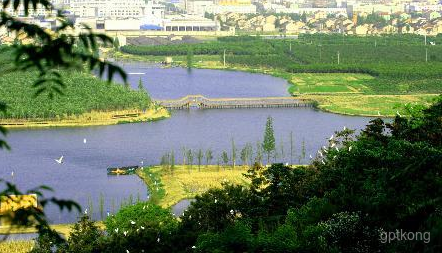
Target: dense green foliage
<point x="401" y="63"/>
<point x="357" y="193"/>
<point x="243" y="48"/>
<point x="83" y="93"/>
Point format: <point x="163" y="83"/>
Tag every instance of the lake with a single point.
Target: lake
<point x="82" y="177"/>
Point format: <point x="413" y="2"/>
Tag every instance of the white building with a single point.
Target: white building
<point x="293" y="9"/>
<point x="40" y="11"/>
<point x="198" y="7"/>
<point x="422" y="7"/>
<point x="115" y="8"/>
<point x="244" y="9"/>
<point x="371" y="8"/>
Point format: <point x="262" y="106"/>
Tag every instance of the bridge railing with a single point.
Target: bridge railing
<point x="203" y="102"/>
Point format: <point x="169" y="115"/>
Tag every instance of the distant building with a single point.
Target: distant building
<point x="198" y="7"/>
<point x="115" y="8"/>
<point x="194" y="24"/>
<point x="122" y="24"/>
<point x="362" y="9"/>
<point x="245" y="9"/>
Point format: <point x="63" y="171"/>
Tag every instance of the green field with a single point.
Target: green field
<point x="329" y="83"/>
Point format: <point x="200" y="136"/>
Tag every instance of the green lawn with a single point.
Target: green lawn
<point x="369" y="105"/>
<point x="305" y="83"/>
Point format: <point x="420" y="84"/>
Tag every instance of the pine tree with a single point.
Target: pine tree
<point x="291" y="148"/>
<point x="189" y="155"/>
<point x="199" y="156"/>
<point x="140" y="85"/>
<point x="189" y="59"/>
<point x="209" y="157"/>
<point x="269" y="138"/>
<point x="172" y="162"/>
<point x="225" y="158"/>
<point x="183" y="150"/>
<point x="258" y="158"/>
<point x="233" y="154"/>
<point x="243" y="155"/>
<point x="302" y="155"/>
<point x="250" y="154"/>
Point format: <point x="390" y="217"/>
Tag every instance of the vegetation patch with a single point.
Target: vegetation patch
<point x="167" y="188"/>
<point x="21" y="246"/>
<point x="87" y="100"/>
<point x="370" y="105"/>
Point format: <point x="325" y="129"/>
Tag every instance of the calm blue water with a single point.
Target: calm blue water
<point x="82" y="177"/>
<point x="171" y="83"/>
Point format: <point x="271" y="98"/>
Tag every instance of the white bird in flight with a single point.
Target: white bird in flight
<point x="59" y="160"/>
<point x="84" y="140"/>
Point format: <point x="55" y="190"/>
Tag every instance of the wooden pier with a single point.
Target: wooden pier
<point x="199" y="101"/>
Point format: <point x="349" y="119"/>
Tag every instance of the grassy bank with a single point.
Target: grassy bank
<point x="91" y="119"/>
<point x="86" y="100"/>
<point x="167" y="188"/>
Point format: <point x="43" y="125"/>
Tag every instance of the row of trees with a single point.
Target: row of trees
<point x="267" y="151"/>
<point x="258" y="47"/>
<point x="84" y="93"/>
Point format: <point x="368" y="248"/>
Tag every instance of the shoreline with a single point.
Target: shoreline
<point x="93" y="118"/>
<point x="318" y="99"/>
<point x="167" y="188"/>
